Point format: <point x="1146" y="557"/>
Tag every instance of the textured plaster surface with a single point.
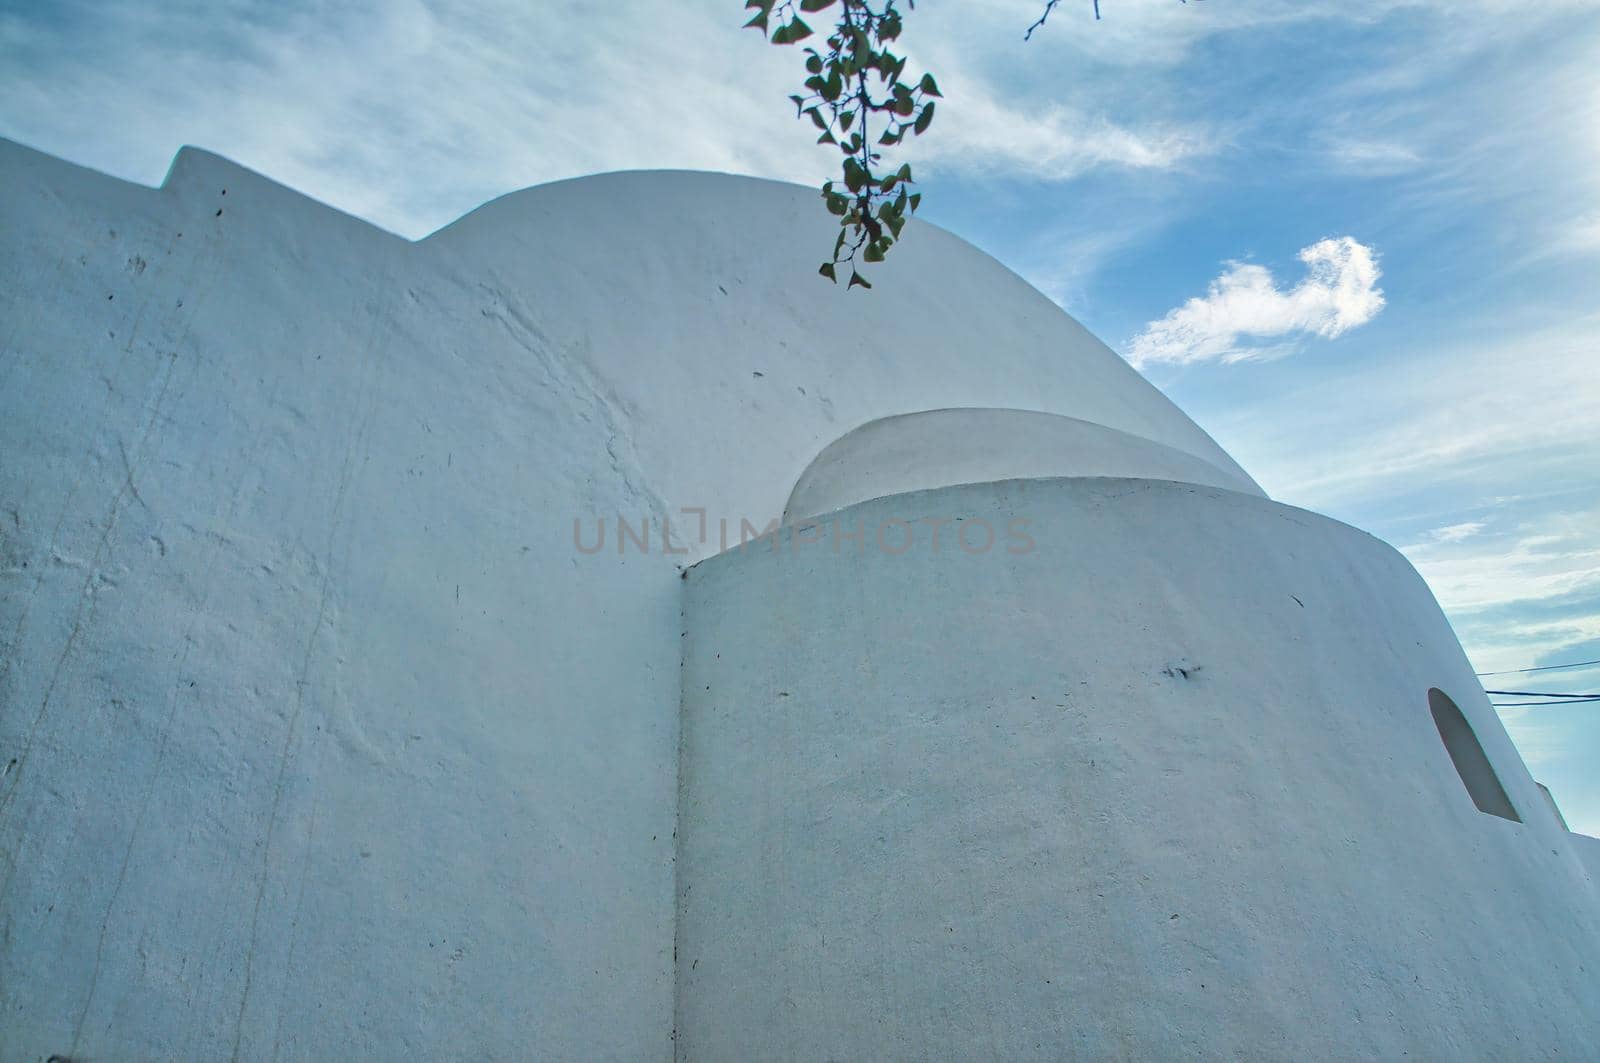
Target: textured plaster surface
<point x="939" y="448"/>
<point x="1052" y="804"/>
<point x="318" y="736"/>
<point x="321" y="737"/>
<point x="316" y="730"/>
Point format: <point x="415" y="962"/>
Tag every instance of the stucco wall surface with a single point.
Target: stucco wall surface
<point x="317" y="732"/>
<point x="318" y="739"/>
<point x="1165" y="786"/>
<point x="321" y="735"/>
<point x="940" y="448"/>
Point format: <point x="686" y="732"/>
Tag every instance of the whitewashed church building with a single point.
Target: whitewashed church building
<point x="583" y="634"/>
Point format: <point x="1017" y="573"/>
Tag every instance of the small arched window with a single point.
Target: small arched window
<point x="1471" y="764"/>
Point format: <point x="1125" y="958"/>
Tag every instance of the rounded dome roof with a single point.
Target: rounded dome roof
<point x="696" y="301"/>
<point x="942" y="448"/>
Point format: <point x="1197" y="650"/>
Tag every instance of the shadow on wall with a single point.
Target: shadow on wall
<point x="1468" y="756"/>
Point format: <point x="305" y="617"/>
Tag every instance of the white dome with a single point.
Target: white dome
<point x="694" y="300"/>
<point x="941" y="448"/>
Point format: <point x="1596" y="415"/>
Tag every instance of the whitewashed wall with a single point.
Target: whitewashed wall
<point x="319" y="736"/>
<point x="1165" y="786"/>
<point x="325" y="742"/>
<point x="318" y="733"/>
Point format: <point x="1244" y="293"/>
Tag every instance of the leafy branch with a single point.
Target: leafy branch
<point x="1050" y="5"/>
<point x="856" y="98"/>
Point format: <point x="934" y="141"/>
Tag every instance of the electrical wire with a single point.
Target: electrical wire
<point x="1537" y="694"/>
<point x="1542" y="668"/>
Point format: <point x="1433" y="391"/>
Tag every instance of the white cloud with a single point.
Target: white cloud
<point x="1515" y="595"/>
<point x="1245" y="304"/>
<point x="1371" y="158"/>
<point x="1577" y="236"/>
<point x="1449" y="409"/>
<point x="1454" y="533"/>
<point x="1557" y="559"/>
<point x="980" y="133"/>
<point x="410" y="114"/>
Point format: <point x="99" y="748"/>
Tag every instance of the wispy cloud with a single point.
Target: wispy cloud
<point x="1454" y="533"/>
<point x="1552" y="560"/>
<point x="405" y="113"/>
<point x="982" y="135"/>
<point x="1366" y="157"/>
<point x="409" y="113"/>
<point x="1575" y="237"/>
<point x="1494" y="418"/>
<point x="1245" y="305"/>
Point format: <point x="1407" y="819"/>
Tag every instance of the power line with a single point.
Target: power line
<point x="1538" y="694"/>
<point x="1543" y="668"/>
<point x="1552" y="698"/>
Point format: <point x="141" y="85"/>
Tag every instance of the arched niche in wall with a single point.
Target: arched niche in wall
<point x="1471" y="763"/>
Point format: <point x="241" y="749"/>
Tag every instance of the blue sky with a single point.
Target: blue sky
<point x="1430" y="374"/>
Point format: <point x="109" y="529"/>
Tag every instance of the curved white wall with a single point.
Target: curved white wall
<point x="321" y="736"/>
<point x="939" y="448"/>
<point x="707" y="343"/>
<point x="326" y="734"/>
<point x="1165" y="786"/>
<point x="318" y="738"/>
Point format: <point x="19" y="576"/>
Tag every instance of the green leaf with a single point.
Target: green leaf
<point x="857" y="279"/>
<point x="827" y="271"/>
<point x="854" y="176"/>
<point x="874" y="253"/>
<point x="814" y="64"/>
<point x="796" y="30"/>
<point x="810" y="6"/>
<point x="916" y="201"/>
<point x="928" y="85"/>
<point x="924" y="119"/>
